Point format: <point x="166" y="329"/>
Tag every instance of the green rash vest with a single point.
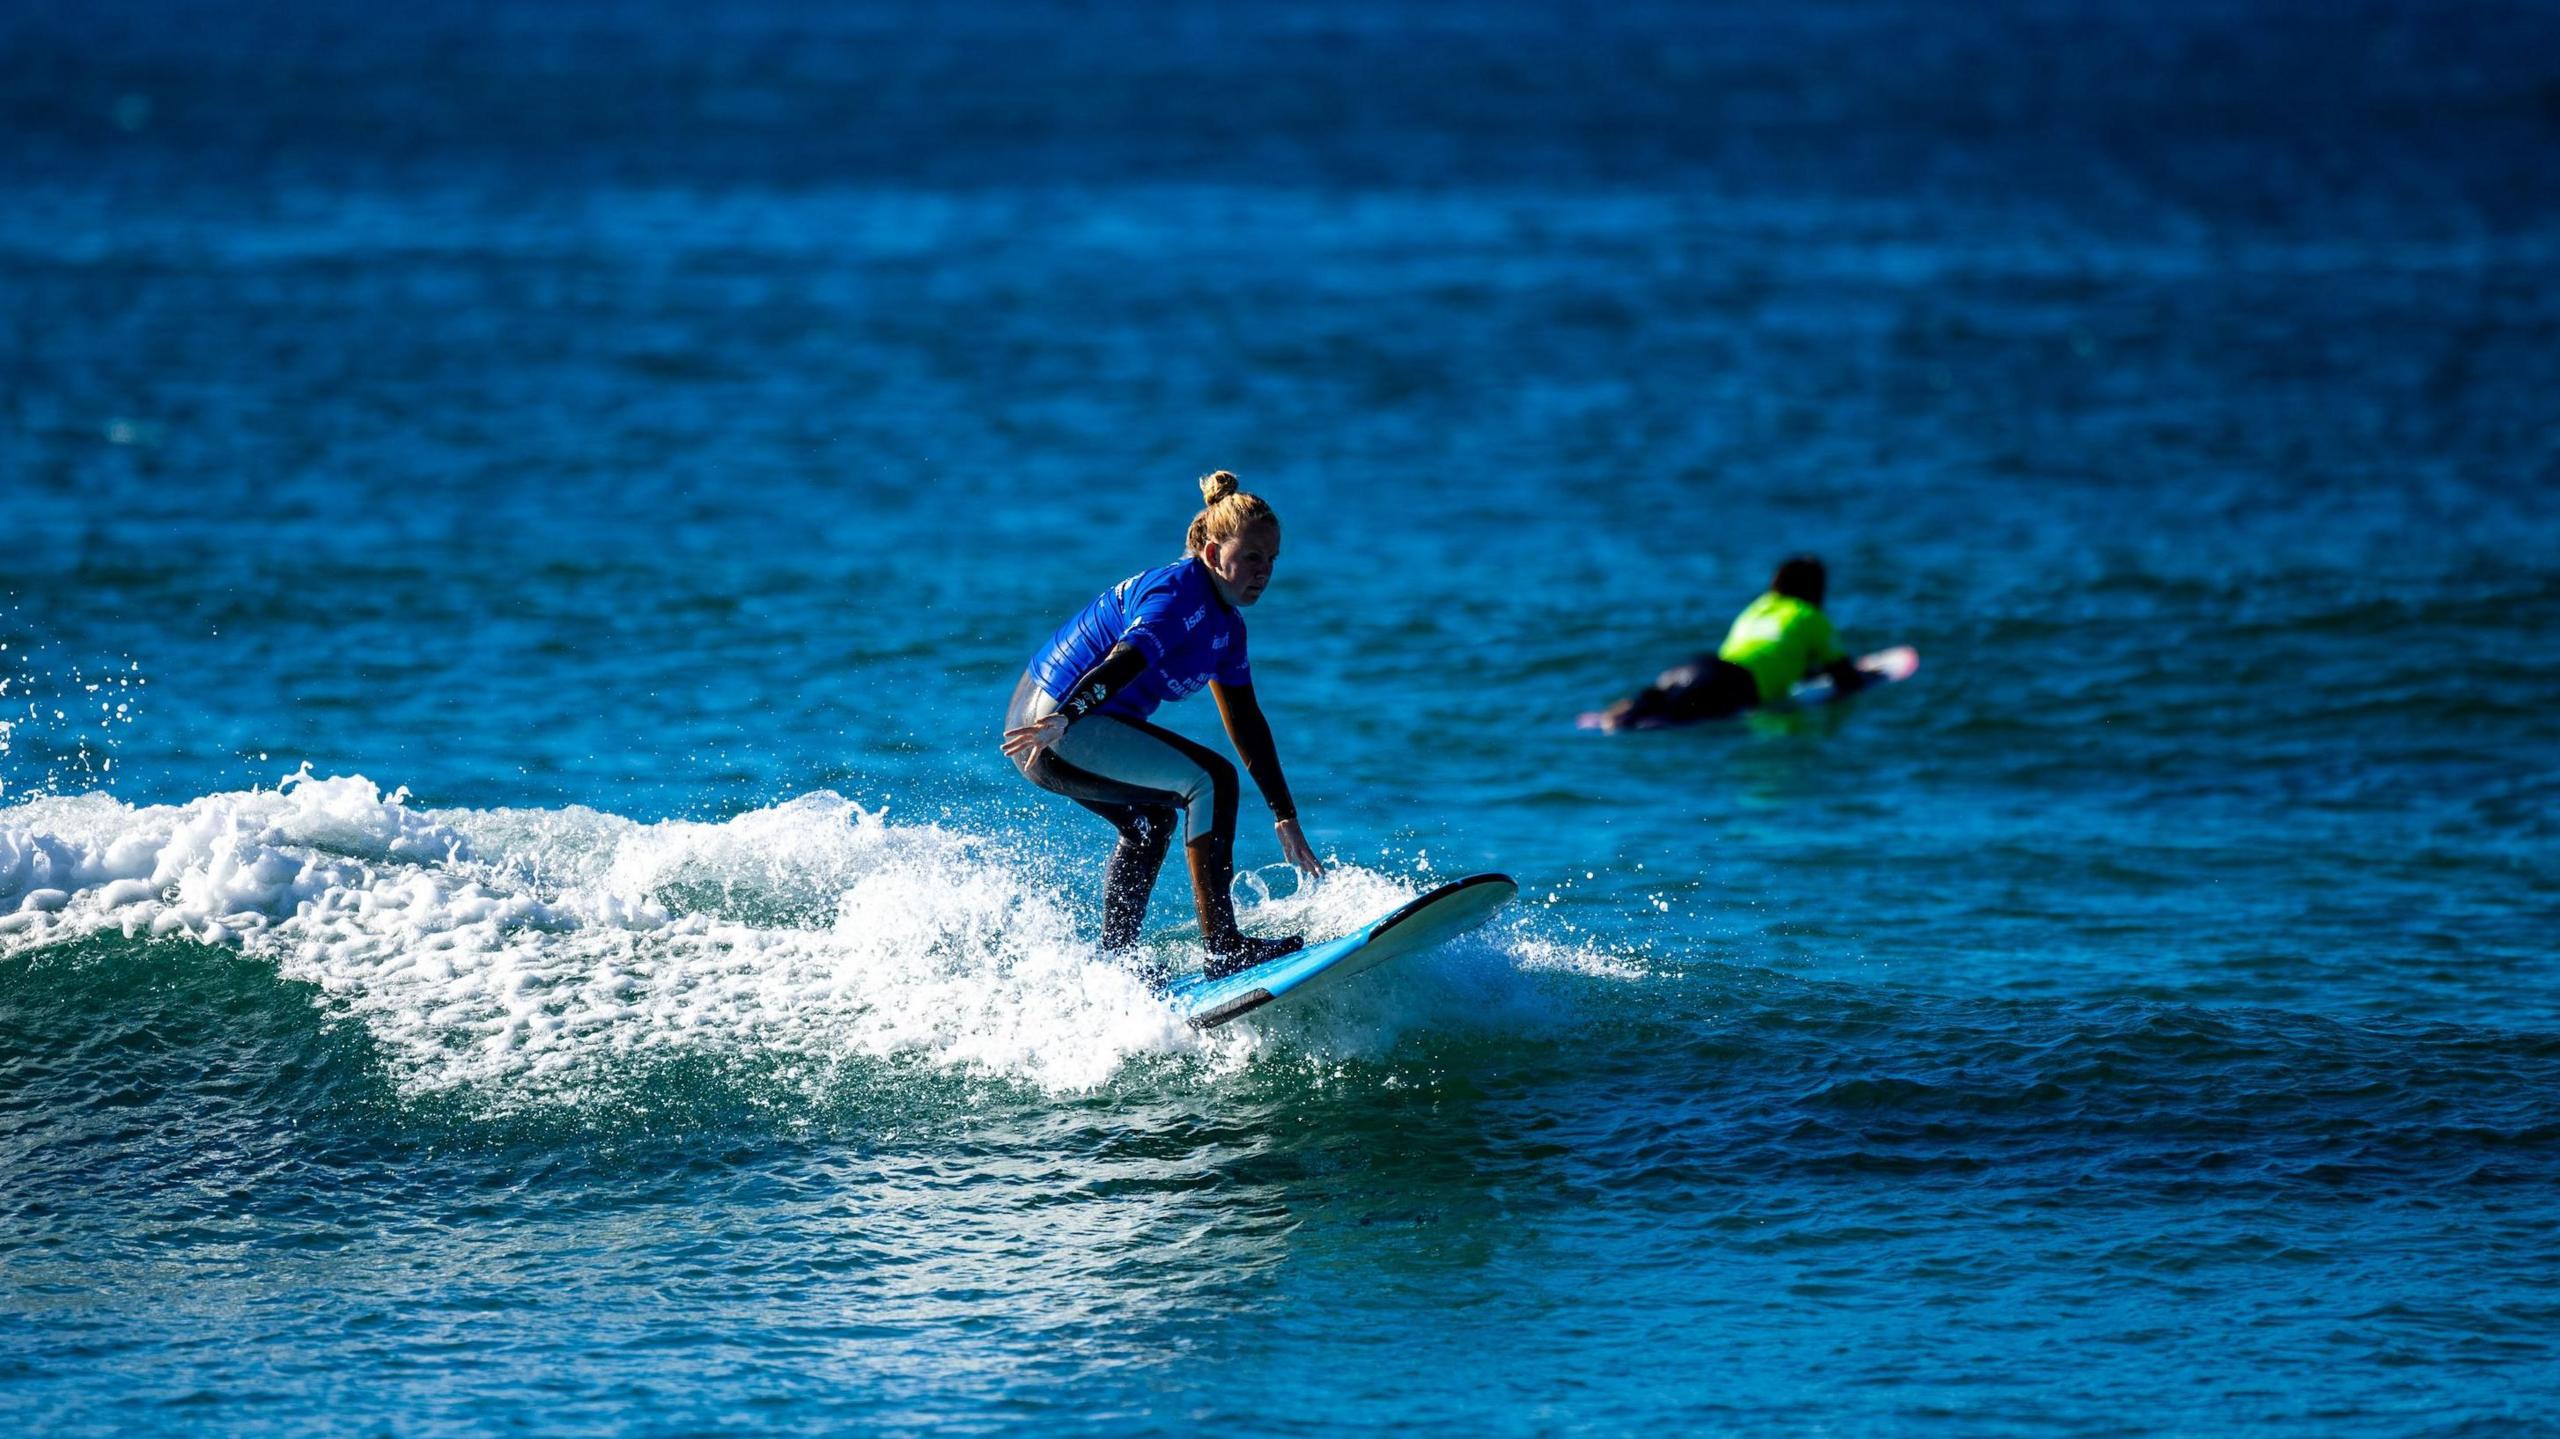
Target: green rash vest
<point x="1780" y="639"/>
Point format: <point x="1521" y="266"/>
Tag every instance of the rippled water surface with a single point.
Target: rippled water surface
<point x="520" y="522"/>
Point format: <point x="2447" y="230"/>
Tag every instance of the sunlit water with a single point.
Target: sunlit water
<point x="520" y="523"/>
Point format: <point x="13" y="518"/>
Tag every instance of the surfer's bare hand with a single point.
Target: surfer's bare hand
<point x="1295" y="849"/>
<point x="1039" y="735"/>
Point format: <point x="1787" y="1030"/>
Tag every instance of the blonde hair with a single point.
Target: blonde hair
<point x="1227" y="512"/>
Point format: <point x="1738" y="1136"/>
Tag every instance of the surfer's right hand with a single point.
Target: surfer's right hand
<point x="1038" y="735"/>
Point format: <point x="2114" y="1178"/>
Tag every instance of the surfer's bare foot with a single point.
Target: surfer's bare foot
<point x="1246" y="952"/>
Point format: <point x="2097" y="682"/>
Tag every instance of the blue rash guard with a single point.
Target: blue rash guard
<point x="1173" y="616"/>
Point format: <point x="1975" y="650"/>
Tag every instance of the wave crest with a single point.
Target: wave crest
<point x="535" y="950"/>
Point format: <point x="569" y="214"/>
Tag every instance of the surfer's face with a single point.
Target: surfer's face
<point x="1243" y="565"/>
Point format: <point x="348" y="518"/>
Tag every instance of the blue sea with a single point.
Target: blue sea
<point x="518" y="522"/>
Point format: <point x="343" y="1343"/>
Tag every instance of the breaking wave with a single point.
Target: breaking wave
<point x="483" y="947"/>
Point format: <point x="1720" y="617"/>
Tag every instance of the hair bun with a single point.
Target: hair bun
<point x="1226" y="513"/>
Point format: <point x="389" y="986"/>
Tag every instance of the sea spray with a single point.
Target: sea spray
<point x="61" y="720"/>
<point x="534" y="950"/>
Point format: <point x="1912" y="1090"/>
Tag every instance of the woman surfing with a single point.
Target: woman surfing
<point x="1078" y="723"/>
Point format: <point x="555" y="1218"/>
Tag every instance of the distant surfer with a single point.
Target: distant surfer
<point x="1780" y="639"/>
<point x="1078" y="723"/>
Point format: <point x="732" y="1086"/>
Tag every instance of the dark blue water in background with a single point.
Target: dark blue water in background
<point x="626" y="454"/>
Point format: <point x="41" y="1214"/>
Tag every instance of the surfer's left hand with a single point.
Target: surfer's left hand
<point x="1295" y="849"/>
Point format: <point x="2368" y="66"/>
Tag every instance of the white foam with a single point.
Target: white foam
<point x="490" y="946"/>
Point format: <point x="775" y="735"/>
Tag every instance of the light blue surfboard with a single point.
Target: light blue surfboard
<point x="1435" y="918"/>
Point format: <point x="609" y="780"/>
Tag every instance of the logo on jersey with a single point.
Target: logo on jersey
<point x="1192" y="620"/>
<point x="1220" y="642"/>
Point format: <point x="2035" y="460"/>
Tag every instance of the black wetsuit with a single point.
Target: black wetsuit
<point x="1705" y="688"/>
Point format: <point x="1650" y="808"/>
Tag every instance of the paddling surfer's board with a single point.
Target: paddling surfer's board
<point x="1884" y="667"/>
<point x="1435" y="918"/>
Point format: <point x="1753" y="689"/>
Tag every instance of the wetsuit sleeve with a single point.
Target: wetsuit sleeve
<point x="1104" y="680"/>
<point x="1252" y="734"/>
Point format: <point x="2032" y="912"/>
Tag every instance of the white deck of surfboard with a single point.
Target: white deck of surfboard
<point x="1418" y="924"/>
<point x="1881" y="668"/>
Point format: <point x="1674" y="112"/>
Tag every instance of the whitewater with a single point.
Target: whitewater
<point x="523" y="951"/>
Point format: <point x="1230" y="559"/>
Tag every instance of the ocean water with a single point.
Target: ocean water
<point x="518" y="522"/>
